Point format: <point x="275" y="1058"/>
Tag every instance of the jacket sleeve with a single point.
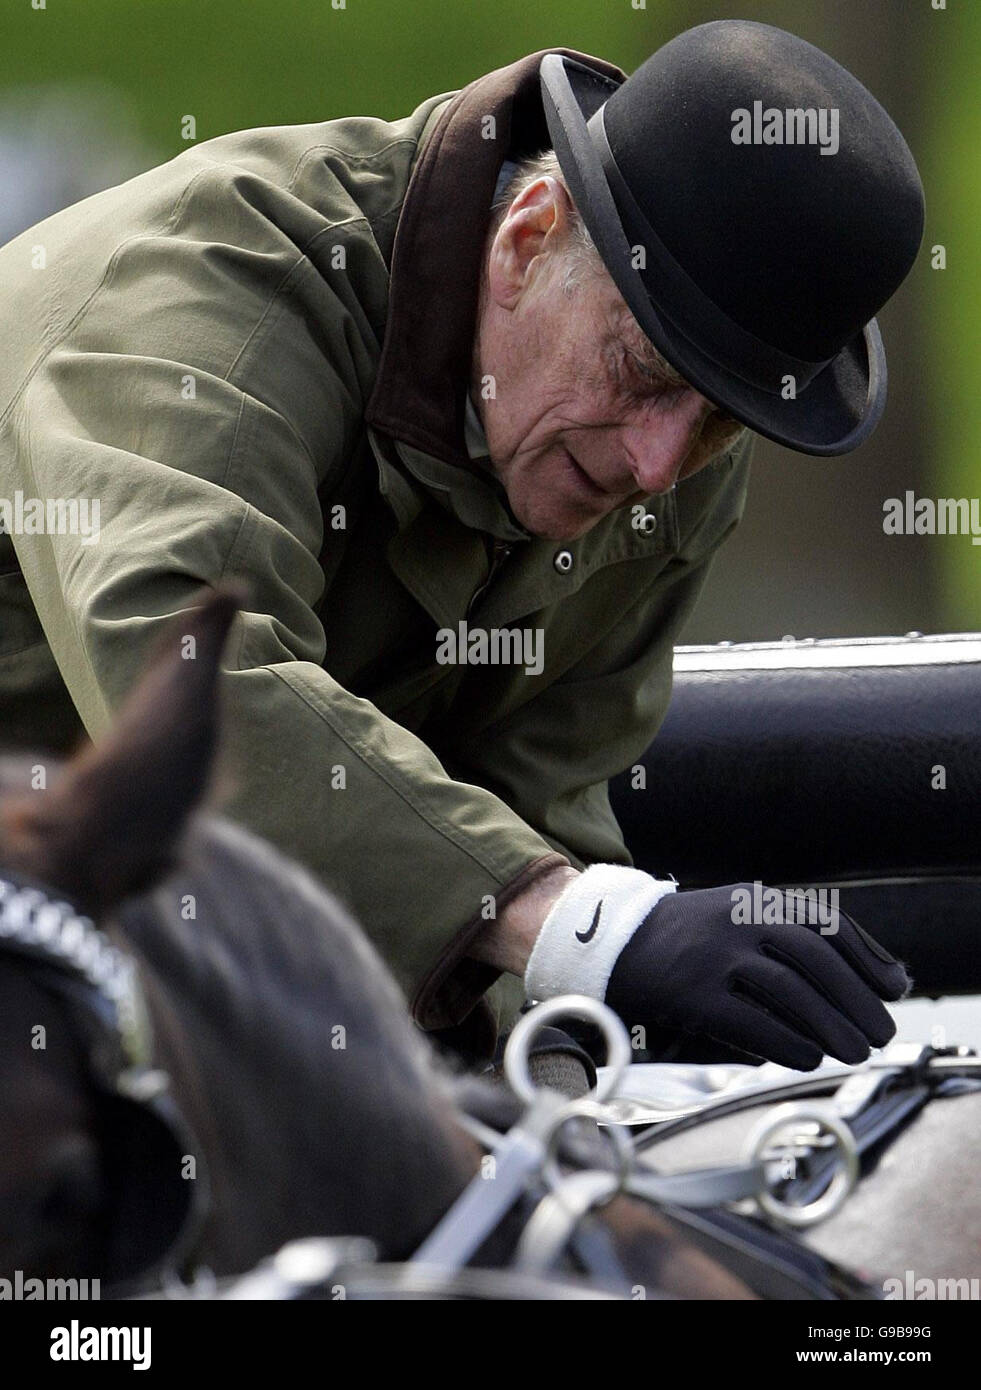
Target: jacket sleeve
<point x="208" y="384"/>
<point x="551" y="759"/>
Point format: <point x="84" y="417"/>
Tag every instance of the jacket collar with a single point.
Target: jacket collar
<point x="475" y="498"/>
<point x="420" y="390"/>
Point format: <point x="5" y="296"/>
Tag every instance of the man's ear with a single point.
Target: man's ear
<point x="110" y="824"/>
<point x="535" y="224"/>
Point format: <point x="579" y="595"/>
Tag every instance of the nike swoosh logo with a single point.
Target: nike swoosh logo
<point x="590" y="931"/>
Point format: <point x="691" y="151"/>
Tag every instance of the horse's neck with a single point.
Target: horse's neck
<point x="297" y="1145"/>
<point x="345" y="1161"/>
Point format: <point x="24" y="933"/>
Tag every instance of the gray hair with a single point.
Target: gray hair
<point x="581" y="259"/>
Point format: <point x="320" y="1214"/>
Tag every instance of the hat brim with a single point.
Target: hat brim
<point x="838" y="409"/>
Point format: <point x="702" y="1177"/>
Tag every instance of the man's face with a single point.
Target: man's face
<point x="585" y="416"/>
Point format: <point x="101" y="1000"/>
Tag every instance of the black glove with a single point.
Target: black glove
<point x="789" y="993"/>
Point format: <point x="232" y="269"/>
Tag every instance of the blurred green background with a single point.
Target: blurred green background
<point x="93" y="91"/>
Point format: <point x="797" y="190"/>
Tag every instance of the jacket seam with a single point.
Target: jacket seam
<point x="83" y="308"/>
<point x="70" y="609"/>
<point x="233" y="446"/>
<point x="248" y="515"/>
<point x="273" y="303"/>
<point x="348" y="157"/>
<point x="434" y="821"/>
<point x="248" y="400"/>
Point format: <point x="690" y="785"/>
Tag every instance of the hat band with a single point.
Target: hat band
<point x="707" y="326"/>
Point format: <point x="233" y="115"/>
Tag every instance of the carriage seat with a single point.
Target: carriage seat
<point x="853" y="764"/>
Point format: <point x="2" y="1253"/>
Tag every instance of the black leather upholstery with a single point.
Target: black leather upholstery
<point x="769" y="768"/>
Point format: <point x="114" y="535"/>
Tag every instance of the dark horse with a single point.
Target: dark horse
<point x="302" y="1101"/>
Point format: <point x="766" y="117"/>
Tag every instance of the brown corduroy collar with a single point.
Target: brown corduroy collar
<point x="424" y="372"/>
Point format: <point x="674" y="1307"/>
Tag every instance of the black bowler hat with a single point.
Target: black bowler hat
<point x="761" y="261"/>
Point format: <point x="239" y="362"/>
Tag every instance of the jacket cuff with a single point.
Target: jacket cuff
<point x="456" y="982"/>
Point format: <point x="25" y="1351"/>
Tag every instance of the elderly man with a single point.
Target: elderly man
<point x="490" y="371"/>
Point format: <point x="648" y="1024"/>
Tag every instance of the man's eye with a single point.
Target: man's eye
<point x="646" y="382"/>
<point x="630" y="374"/>
<point x="639" y="370"/>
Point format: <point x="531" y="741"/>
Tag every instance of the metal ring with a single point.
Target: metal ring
<point x="617" y="1135"/>
<point x="517" y="1052"/>
<point x="553" y="1222"/>
<point x="845" y="1175"/>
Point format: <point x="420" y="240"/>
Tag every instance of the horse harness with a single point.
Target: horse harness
<point x="145" y="1139"/>
<point x="800" y="1163"/>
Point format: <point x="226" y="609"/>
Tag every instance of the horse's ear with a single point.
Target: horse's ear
<point x="110" y="823"/>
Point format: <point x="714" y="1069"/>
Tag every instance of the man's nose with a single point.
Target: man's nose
<point x="660" y="438"/>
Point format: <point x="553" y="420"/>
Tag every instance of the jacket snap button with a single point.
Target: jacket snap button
<point x="563" y="561"/>
<point x="647" y="524"/>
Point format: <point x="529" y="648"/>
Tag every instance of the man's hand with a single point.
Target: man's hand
<point x="685" y="961"/>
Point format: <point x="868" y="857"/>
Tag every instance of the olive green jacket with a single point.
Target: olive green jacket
<point x="255" y="358"/>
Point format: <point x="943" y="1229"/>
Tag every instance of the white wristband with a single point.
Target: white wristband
<point x="587" y="928"/>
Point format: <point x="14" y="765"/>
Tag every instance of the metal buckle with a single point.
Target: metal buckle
<point x="571" y="1196"/>
<point x="518" y="1050"/>
<point x="827" y="1121"/>
<point x="526" y="1153"/>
